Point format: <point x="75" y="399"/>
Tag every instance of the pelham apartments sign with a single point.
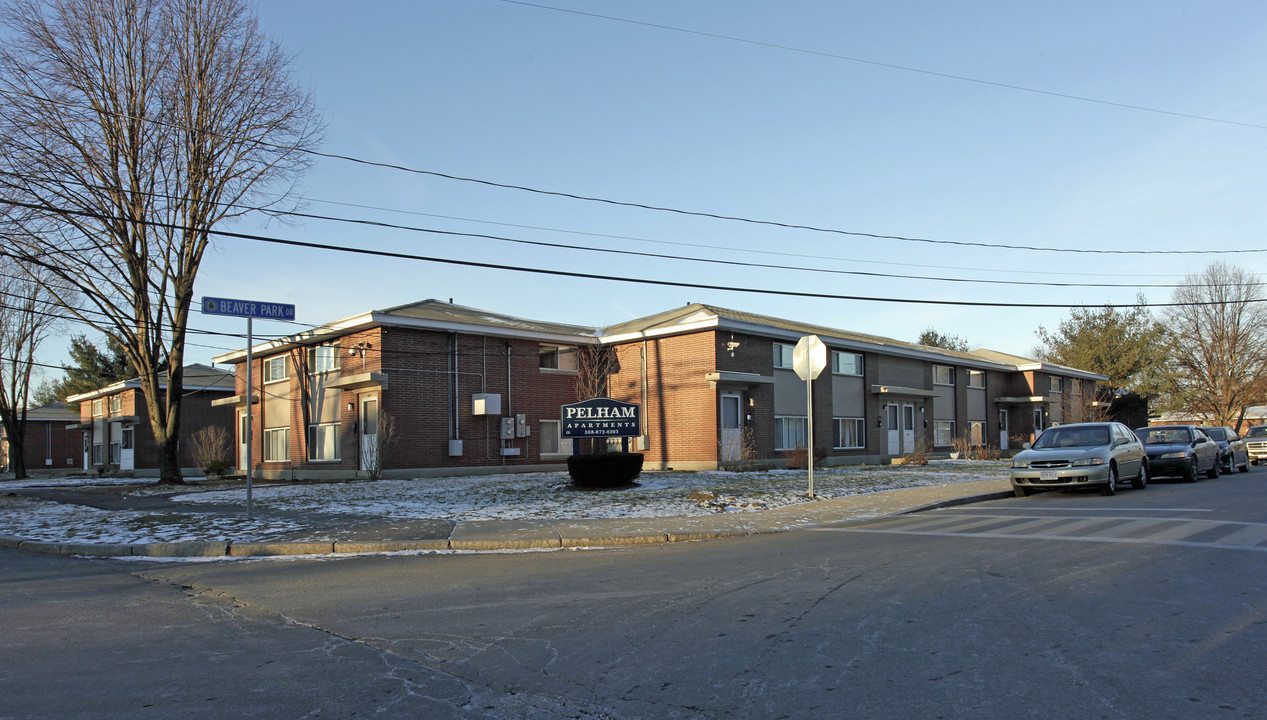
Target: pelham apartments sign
<point x="601" y="418"/>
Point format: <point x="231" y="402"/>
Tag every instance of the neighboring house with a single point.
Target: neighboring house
<point x="472" y="391"/>
<point x="115" y="424"/>
<point x="49" y="442"/>
<point x="1254" y="415"/>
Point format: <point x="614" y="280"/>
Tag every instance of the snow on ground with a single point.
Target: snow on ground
<point x="280" y="509"/>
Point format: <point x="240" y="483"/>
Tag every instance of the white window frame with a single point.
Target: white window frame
<point x="943" y="430"/>
<point x="783" y="355"/>
<point x="116" y="404"/>
<point x="551" y="430"/>
<point x="855" y="366"/>
<point x="1055" y="384"/>
<point x="860" y="432"/>
<point x="128" y="438"/>
<point x="948" y="371"/>
<point x="323" y="359"/>
<point x="558" y="358"/>
<point x="793" y="429"/>
<point x="270" y="444"/>
<point x="270" y="368"/>
<point x="96" y="453"/>
<point x="98" y="407"/>
<point x="317" y="440"/>
<point x="976" y="378"/>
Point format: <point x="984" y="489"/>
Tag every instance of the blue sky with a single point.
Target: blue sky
<point x="798" y="134"/>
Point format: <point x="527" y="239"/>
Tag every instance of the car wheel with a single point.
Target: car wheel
<point x="1110" y="487"/>
<point x="1020" y="491"/>
<point x="1141" y="480"/>
<point x="1213" y="472"/>
<point x="1245" y="466"/>
<point x="1190" y="472"/>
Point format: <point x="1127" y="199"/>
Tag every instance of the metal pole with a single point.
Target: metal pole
<point x="809" y="413"/>
<point x="249" y="465"/>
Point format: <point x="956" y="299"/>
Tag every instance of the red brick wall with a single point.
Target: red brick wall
<point x="50" y="439"/>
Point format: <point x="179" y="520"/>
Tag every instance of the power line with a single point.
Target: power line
<point x="671" y="210"/>
<point x="891" y="66"/>
<point x="612" y="278"/>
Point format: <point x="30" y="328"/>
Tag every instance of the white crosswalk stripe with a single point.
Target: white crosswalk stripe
<point x="1118" y="528"/>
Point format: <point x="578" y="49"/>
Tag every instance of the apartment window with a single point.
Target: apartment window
<point x="848" y="433"/>
<point x="275" y="369"/>
<point x="790" y="432"/>
<point x="96" y="453"/>
<point x="1075" y="386"/>
<point x="323" y="441"/>
<point x="98" y="408"/>
<point x="943" y="432"/>
<point x="551" y="443"/>
<point x="943" y="375"/>
<point x="1054" y="384"/>
<point x="323" y="358"/>
<point x="976" y="379"/>
<point x="277" y="445"/>
<point x="127" y="438"/>
<point x="115" y="453"/>
<point x="976" y="433"/>
<point x="116" y="404"/>
<point x="783" y="355"/>
<point x="846" y="363"/>
<point x="557" y="357"/>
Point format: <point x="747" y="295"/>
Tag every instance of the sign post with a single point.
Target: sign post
<point x="248" y="309"/>
<point x="809" y="357"/>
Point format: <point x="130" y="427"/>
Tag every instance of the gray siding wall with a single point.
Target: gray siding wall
<point x="976" y="404"/>
<point x="789" y="393"/>
<point x="848" y="396"/>
<point x="900" y="371"/>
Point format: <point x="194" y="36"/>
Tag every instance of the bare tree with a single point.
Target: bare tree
<point x="129" y="129"/>
<point x="594" y="367"/>
<point x="27" y="314"/>
<point x="1218" y="344"/>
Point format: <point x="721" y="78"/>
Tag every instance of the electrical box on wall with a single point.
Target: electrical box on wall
<point x="521" y="426"/>
<point x="455" y="448"/>
<point x="510" y="451"/>
<point x="508" y="429"/>
<point x="486" y="404"/>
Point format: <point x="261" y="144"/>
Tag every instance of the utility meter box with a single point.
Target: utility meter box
<point x="521" y="426"/>
<point x="508" y="429"/>
<point x="455" y="448"/>
<point x="486" y="404"/>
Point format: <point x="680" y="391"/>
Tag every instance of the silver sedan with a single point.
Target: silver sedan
<point x="1080" y="455"/>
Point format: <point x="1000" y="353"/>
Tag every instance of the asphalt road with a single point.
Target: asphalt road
<point x="1147" y="604"/>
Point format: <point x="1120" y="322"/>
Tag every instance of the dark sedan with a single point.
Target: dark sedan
<point x="1233" y="452"/>
<point x="1179" y="451"/>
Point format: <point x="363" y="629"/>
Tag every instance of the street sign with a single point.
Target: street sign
<point x="247" y="308"/>
<point x="809" y="357"/>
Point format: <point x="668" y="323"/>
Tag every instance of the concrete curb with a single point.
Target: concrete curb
<point x="529" y="535"/>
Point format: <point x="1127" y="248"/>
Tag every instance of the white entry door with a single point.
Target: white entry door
<point x="242" y="442"/>
<point x="894" y="429"/>
<point x="1003" y="430"/>
<point x="369" y="433"/>
<point x="908" y="428"/>
<point x="127" y="452"/>
<point x="731" y="428"/>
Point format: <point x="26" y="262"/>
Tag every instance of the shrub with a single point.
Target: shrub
<point x="798" y="458"/>
<point x="210" y="449"/>
<point x="604" y="469"/>
<point x="918" y="456"/>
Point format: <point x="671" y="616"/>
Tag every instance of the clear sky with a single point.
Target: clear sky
<point x="891" y="118"/>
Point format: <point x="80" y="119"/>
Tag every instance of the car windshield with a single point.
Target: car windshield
<point x="1064" y="437"/>
<point x="1165" y="436"/>
<point x="1216" y="433"/>
<point x="1256" y="431"/>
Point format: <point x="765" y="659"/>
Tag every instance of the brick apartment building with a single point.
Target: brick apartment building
<point x="115" y="424"/>
<point x="49" y="443"/>
<point x="472" y="391"/>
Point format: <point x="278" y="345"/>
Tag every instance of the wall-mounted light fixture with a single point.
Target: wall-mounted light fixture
<point x="879" y="421"/>
<point x="351" y="407"/>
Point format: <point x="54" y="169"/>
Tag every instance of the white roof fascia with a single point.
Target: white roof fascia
<point x="712" y="322"/>
<point x="107" y="390"/>
<point x="348" y="325"/>
<point x="840" y="343"/>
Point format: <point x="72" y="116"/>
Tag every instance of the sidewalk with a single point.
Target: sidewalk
<point x="344" y="535"/>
